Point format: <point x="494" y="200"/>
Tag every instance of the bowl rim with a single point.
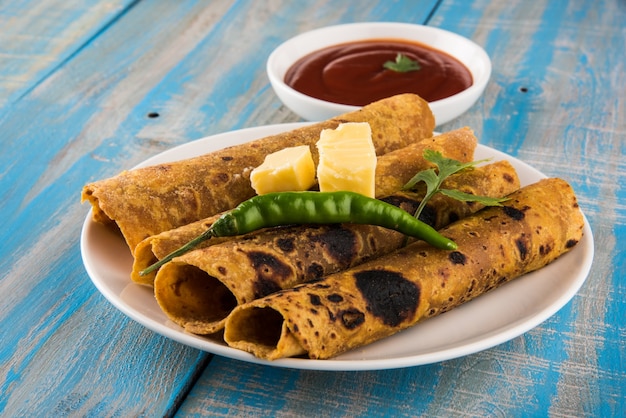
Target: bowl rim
<point x="480" y="67"/>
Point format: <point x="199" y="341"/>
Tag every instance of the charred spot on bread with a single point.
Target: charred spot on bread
<point x="335" y="298"/>
<point x="269" y="272"/>
<point x="314" y="299"/>
<point x="457" y="257"/>
<point x="315" y="271"/>
<point x="388" y="294"/>
<point x="523" y="243"/>
<point x="405" y="202"/>
<point x="340" y="243"/>
<point x="265" y="286"/>
<point x="351" y="318"/>
<point x="513" y="213"/>
<point x="428" y="215"/>
<point x="266" y="265"/>
<point x="286" y="245"/>
<point x="508" y="178"/>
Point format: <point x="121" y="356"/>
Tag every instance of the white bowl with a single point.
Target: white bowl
<point x="467" y="52"/>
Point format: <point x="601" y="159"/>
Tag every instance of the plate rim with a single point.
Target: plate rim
<point x="493" y="339"/>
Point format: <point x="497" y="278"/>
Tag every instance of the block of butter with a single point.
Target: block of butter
<point x="290" y="169"/>
<point x="347" y="159"/>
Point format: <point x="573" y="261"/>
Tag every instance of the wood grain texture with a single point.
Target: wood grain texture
<point x="37" y="38"/>
<point x="78" y="81"/>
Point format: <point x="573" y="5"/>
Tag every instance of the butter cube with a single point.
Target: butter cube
<point x="290" y="169"/>
<point x="347" y="159"/>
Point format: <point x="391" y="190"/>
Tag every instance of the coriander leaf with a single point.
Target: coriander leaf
<point x="402" y="64"/>
<point x="427" y="176"/>
<point x="445" y="168"/>
<point x="468" y="197"/>
<point x="448" y="166"/>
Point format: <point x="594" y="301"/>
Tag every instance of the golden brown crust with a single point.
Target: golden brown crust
<point x="250" y="267"/>
<point x="394" y="169"/>
<point x="155" y="247"/>
<point x="398" y="167"/>
<point x="150" y="200"/>
<point x="379" y="298"/>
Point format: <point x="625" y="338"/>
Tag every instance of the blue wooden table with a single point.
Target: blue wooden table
<point x="90" y="88"/>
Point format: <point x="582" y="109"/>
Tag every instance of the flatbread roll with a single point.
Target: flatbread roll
<point x="150" y="200"/>
<point x="374" y="300"/>
<point x="393" y="170"/>
<point x="200" y="288"/>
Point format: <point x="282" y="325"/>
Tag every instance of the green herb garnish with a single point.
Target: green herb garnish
<point x="402" y="64"/>
<point x="434" y="178"/>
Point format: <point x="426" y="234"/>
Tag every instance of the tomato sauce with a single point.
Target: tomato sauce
<point x="353" y="73"/>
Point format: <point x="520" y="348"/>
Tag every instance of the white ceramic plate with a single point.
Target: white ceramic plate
<point x="489" y="320"/>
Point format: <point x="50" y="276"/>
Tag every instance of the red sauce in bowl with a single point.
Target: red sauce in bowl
<point x="353" y="73"/>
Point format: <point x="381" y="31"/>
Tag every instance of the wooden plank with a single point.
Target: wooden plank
<point x="38" y="37"/>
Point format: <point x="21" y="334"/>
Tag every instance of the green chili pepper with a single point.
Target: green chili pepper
<point x="288" y="208"/>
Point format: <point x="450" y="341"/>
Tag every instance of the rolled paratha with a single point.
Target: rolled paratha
<point x="374" y="300"/>
<point x="393" y="170"/>
<point x="199" y="289"/>
<point x="150" y="200"/>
